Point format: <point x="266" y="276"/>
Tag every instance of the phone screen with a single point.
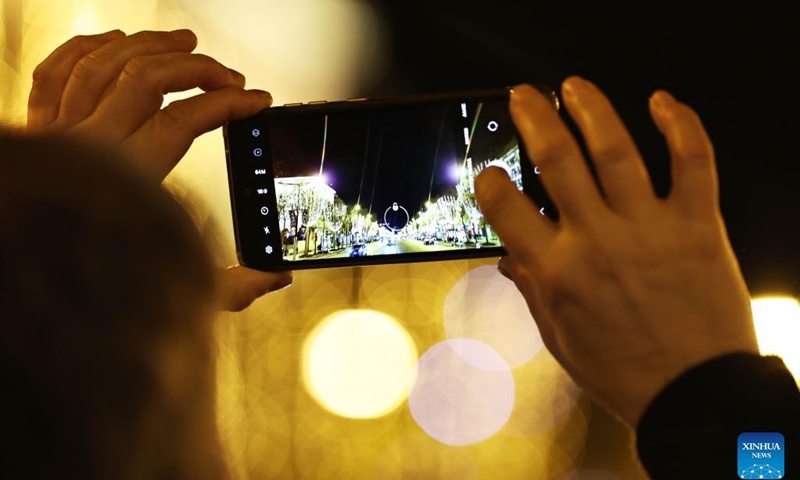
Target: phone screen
<point x="368" y="182"/>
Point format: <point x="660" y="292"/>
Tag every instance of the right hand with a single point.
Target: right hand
<point x="628" y="290"/>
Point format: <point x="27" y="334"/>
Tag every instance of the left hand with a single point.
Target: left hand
<point x="241" y="286"/>
<point x="108" y="90"/>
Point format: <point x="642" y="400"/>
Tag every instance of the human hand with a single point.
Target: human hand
<point x="628" y="290"/>
<point x="108" y="89"/>
<point x="241" y="286"/>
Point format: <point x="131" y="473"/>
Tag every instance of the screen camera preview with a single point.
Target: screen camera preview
<point x="387" y="182"/>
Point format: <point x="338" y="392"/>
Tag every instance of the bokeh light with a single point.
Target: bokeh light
<point x="270" y="427"/>
<point x="86" y="21"/>
<point x="464" y="392"/>
<point x="416" y="455"/>
<point x="484" y="305"/>
<point x="358" y="363"/>
<point x="777" y="321"/>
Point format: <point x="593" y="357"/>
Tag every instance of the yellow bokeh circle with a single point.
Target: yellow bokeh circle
<point x="359" y="363"/>
<point x="777" y="322"/>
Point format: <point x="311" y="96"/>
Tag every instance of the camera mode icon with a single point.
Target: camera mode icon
<point x="256" y="132"/>
<point x="257" y="152"/>
<point x="264" y="210"/>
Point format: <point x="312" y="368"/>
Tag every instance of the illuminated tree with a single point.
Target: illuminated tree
<point x="301" y="203"/>
<point x="333" y="216"/>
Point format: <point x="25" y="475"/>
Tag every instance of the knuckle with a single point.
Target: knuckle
<point x="88" y="68"/>
<point x="551" y="155"/>
<point x="137" y="70"/>
<point x="42" y="73"/>
<point x="695" y="155"/>
<point x="559" y="287"/>
<point x="609" y="152"/>
<point x="146" y="36"/>
<point x="77" y="42"/>
<point x="75" y="46"/>
<point x="205" y="58"/>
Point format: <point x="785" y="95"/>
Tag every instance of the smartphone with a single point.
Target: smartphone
<point x="371" y="181"/>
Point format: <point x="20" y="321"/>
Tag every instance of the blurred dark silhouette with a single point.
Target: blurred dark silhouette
<point x="107" y="295"/>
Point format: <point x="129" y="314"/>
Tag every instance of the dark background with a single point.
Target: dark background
<point x="731" y="63"/>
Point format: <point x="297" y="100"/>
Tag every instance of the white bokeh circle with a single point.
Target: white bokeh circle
<point x="463" y="392"/>
<point x="484" y="305"/>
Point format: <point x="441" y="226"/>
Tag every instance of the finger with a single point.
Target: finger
<point x="519" y="273"/>
<point x="512" y="215"/>
<point x="241" y="286"/>
<point x="554" y="150"/>
<point x="503" y="266"/>
<point x="95" y="72"/>
<point x="51" y="76"/>
<point x="694" y="174"/>
<point x="139" y="92"/>
<point x="166" y="137"/>
<point x="619" y="165"/>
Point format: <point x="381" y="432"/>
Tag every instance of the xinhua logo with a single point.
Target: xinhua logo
<point x="761" y="455"/>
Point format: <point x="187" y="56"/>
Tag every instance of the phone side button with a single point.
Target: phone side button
<point x="357" y="99"/>
<point x="292" y="104"/>
<point x="317" y="102"/>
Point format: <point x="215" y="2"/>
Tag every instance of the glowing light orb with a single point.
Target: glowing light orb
<point x="357" y="363"/>
<point x="484" y="305"/>
<point x="85" y="21"/>
<point x="777" y="322"/>
<point x="464" y="392"/>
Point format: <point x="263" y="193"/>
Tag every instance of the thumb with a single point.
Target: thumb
<point x="241" y="286"/>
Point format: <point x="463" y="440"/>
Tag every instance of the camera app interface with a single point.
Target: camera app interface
<point x="382" y="182"/>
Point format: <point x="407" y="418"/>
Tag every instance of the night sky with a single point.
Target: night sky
<point x="398" y="156"/>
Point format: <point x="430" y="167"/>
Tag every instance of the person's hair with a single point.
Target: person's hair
<point x="106" y="288"/>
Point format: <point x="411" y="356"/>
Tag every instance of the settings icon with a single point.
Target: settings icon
<point x="268" y="249"/>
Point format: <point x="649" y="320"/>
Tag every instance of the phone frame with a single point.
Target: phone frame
<point x="238" y="145"/>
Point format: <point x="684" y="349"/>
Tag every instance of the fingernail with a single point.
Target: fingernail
<point x="113" y="33"/>
<point x="568" y="87"/>
<point x="517" y="93"/>
<point x="184" y="36"/>
<point x="282" y="283"/>
<point x="661" y="99"/>
<point x="262" y="93"/>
